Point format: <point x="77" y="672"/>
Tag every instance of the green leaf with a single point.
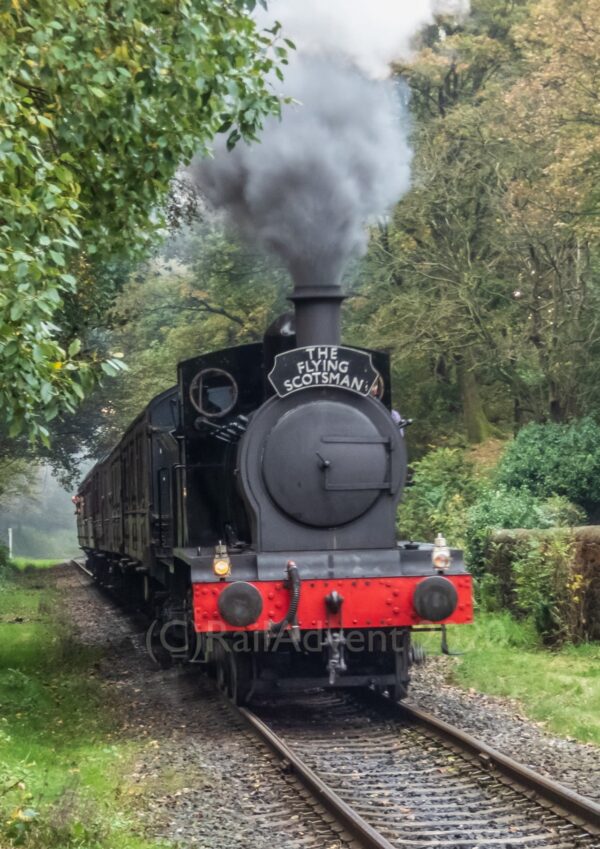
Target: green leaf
<point x="17" y="310"/>
<point x="46" y="392"/>
<point x="15" y="427"/>
<point x="74" y="347"/>
<point x="57" y="257"/>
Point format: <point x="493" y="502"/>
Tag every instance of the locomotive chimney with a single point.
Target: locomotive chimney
<point x="318" y="312"/>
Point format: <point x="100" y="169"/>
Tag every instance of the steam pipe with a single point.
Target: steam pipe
<point x="290" y="616"/>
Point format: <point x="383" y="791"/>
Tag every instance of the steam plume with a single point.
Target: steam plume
<point x="369" y="33"/>
<point x="340" y="155"/>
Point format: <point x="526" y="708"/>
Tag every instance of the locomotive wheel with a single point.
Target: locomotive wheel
<point x="203" y="655"/>
<point x="223" y="667"/>
<point x="397" y="692"/>
<point x="242" y="670"/>
<point x="402" y="663"/>
<point x="235" y="673"/>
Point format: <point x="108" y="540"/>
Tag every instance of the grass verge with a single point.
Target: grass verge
<point x="62" y="770"/>
<point x="559" y="689"/>
<point x="24" y="563"/>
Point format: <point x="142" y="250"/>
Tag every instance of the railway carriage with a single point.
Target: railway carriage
<point x="252" y="510"/>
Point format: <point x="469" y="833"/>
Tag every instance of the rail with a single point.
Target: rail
<point x="541" y="791"/>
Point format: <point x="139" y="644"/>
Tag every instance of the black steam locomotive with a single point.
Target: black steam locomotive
<point x="252" y="509"/>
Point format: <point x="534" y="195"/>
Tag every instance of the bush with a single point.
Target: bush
<point x="549" y="576"/>
<point x="543" y="586"/>
<point x="444" y="486"/>
<point x="555" y="459"/>
<point x="512" y="508"/>
<point x="559" y="512"/>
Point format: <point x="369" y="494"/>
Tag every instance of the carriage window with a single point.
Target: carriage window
<point x="213" y="392"/>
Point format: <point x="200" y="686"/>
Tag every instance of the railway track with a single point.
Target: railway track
<point x="392" y="776"/>
<point x="395" y="776"/>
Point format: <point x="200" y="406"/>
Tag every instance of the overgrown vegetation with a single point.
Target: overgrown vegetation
<point x="61" y="771"/>
<point x="546" y="587"/>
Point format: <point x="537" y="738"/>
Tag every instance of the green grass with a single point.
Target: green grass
<point x="503" y="657"/>
<point x="23" y="563"/>
<point x="63" y="772"/>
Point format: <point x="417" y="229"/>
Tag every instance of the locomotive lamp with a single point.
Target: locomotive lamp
<point x="440" y="556"/>
<point x="221" y="561"/>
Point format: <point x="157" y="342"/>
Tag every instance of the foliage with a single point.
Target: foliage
<point x="545" y="587"/>
<point x="549" y="576"/>
<point x="502" y="656"/>
<point x="443" y="486"/>
<point x="558" y="512"/>
<point x="100" y="102"/>
<point x="205" y="290"/>
<point x="556" y="109"/>
<point x="548" y="459"/>
<point x="500" y="507"/>
<point x="450" y="494"/>
<point x="16" y="475"/>
<point x="484" y="283"/>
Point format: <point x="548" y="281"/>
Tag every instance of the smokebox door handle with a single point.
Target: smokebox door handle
<point x="325" y="464"/>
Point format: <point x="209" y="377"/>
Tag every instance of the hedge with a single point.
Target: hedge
<point x="552" y="576"/>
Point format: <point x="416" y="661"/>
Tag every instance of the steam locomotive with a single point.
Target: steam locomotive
<point x="252" y="510"/>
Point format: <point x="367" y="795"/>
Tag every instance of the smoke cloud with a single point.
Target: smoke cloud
<point x="369" y="33"/>
<point x="340" y="154"/>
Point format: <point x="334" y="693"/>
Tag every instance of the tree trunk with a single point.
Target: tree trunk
<point x="477" y="426"/>
<point x="517" y="415"/>
<point x="555" y="405"/>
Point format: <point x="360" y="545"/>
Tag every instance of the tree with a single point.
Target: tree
<point x="550" y="116"/>
<point x="100" y="102"/>
<point x="441" y="302"/>
<point x="205" y="290"/>
<point x="484" y="284"/>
